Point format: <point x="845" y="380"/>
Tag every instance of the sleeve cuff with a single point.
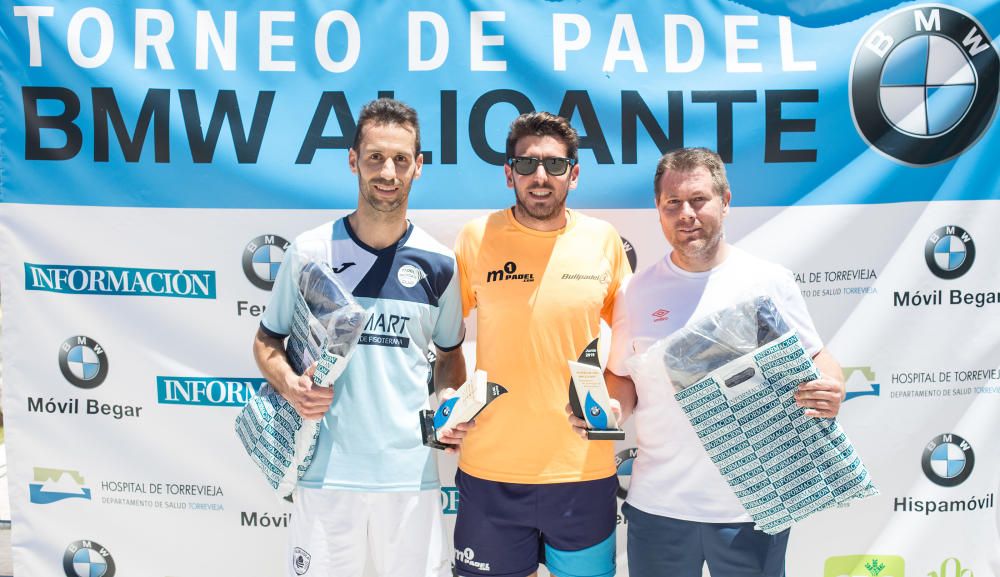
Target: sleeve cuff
<point x="451" y="348"/>
<point x="271" y="333"/>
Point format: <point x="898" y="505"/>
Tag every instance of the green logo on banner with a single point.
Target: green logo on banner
<point x="864" y="566"/>
<point x="952" y="567"/>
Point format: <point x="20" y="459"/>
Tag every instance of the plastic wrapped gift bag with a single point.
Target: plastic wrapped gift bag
<point x="735" y="373"/>
<point x="326" y="324"/>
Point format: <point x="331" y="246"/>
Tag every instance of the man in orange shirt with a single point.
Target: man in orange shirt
<point x="542" y="277"/>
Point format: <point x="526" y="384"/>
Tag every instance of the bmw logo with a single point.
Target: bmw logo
<point x="923" y="85"/>
<point x="948" y="460"/>
<point x="88" y="559"/>
<point x="595" y="411"/>
<point x="623" y="461"/>
<point x="83" y="362"/>
<point x="261" y="259"/>
<point x="949" y="252"/>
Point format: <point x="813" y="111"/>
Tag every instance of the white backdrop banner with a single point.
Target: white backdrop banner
<point x="156" y="160"/>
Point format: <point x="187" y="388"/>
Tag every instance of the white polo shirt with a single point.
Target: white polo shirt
<point x="672" y="475"/>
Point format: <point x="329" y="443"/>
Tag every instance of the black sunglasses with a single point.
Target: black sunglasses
<point x="554" y="165"/>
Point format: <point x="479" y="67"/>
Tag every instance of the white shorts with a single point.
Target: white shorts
<point x="336" y="533"/>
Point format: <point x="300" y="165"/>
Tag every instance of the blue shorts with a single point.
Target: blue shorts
<point x="507" y="529"/>
<point x="663" y="546"/>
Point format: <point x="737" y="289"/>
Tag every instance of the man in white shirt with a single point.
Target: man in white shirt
<point x="681" y="513"/>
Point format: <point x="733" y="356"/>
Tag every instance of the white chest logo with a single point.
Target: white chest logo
<point x="409" y="275"/>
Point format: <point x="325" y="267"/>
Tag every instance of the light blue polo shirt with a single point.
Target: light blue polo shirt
<point x="370" y="438"/>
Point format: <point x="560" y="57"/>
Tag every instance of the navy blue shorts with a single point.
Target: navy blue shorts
<point x="507" y="529"/>
<point x="663" y="546"/>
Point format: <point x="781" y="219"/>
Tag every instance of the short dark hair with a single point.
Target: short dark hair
<point x="387" y="111"/>
<point x="543" y="124"/>
<point x="688" y="160"/>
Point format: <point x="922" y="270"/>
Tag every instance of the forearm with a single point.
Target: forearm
<point x="269" y="352"/>
<point x="622" y="389"/>
<point x="829" y="367"/>
<point x="449" y="369"/>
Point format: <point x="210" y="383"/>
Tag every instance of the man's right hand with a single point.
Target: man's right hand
<point x="309" y="401"/>
<point x="580" y="426"/>
<point x="455" y="435"/>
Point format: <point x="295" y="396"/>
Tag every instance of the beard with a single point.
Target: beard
<point x="381" y="203"/>
<point x="701" y="249"/>
<point x="551" y="208"/>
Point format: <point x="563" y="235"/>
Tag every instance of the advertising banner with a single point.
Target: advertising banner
<point x="158" y="158"/>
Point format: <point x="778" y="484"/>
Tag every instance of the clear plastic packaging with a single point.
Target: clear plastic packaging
<point x="734" y="374"/>
<point x="327" y="323"/>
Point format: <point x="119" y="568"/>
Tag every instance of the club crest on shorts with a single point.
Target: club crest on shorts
<point x="300" y="560"/>
<point x="923" y="84"/>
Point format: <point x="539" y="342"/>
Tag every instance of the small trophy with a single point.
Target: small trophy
<point x="470" y="400"/>
<point x="588" y="397"/>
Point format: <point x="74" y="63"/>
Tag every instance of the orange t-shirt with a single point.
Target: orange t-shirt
<point x="540" y="297"/>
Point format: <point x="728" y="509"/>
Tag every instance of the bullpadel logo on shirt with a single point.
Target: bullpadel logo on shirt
<point x="509" y="272"/>
<point x="603" y="278"/>
<point x="864" y="566"/>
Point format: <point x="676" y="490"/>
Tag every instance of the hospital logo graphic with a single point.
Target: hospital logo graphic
<point x="261" y="259"/>
<point x="948" y="460"/>
<point x="860" y="382"/>
<point x="83" y="362"/>
<point x="949" y="252"/>
<point x="51" y="485"/>
<point x="923" y="85"/>
<point x="864" y="566"/>
<point x="300" y="560"/>
<point x="623" y="462"/>
<point x="88" y="559"/>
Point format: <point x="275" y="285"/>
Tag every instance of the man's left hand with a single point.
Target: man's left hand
<point x="821" y="398"/>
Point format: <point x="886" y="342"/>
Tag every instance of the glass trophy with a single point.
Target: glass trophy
<point x="588" y="397"/>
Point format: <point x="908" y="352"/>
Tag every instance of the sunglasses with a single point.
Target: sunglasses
<point x="554" y="165"/>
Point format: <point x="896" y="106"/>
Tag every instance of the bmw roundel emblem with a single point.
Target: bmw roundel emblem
<point x="923" y="84"/>
<point x="88" y="559"/>
<point x="623" y="462"/>
<point x="949" y="252"/>
<point x="261" y="258"/>
<point x="948" y="460"/>
<point x="83" y="361"/>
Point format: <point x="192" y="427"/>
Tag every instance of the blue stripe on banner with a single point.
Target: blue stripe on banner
<point x="216" y="129"/>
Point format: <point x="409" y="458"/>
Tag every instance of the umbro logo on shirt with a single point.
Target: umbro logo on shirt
<point x="660" y="315"/>
<point x="343" y="266"/>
